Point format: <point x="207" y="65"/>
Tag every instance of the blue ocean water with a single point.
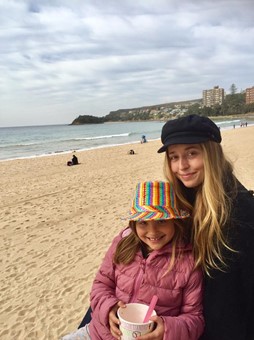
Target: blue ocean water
<point x="36" y="141"/>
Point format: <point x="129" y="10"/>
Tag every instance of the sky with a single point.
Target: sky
<point x="63" y="58"/>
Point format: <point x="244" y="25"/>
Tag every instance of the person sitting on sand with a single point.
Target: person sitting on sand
<point x="152" y="256"/>
<point x="74" y="161"/>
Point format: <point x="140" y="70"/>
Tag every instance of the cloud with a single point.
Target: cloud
<point x="59" y="59"/>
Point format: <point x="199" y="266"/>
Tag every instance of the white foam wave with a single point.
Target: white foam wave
<point x="103" y="137"/>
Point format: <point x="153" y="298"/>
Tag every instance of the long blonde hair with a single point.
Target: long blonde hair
<point x="212" y="207"/>
<point x="129" y="245"/>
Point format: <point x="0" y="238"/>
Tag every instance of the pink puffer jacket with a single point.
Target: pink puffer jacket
<point x="180" y="292"/>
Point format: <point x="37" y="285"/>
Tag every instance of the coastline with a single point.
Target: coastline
<point x="244" y="115"/>
<point x="58" y="221"/>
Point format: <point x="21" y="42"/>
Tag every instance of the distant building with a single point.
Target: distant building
<point x="213" y="96"/>
<point x="250" y="95"/>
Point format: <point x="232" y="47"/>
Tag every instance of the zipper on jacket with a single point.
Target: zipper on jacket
<point x="138" y="281"/>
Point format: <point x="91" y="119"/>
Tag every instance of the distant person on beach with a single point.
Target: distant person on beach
<point x="150" y="257"/>
<point x="244" y="124"/>
<point x="143" y="139"/>
<point x="222" y="211"/>
<point x="74" y="161"/>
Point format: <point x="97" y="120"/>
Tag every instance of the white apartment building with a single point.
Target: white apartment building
<point x="213" y="96"/>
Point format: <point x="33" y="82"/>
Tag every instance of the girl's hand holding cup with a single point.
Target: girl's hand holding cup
<point x="114" y="321"/>
<point x="157" y="333"/>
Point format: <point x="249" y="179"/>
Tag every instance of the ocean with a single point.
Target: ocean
<point x="39" y="141"/>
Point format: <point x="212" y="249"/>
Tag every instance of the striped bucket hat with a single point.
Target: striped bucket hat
<point x="155" y="201"/>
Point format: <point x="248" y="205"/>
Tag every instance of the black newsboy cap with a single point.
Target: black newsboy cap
<point x="192" y="129"/>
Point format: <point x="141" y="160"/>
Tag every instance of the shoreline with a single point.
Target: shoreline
<point x="245" y="115"/>
<point x="58" y="221"/>
<point x="76" y="150"/>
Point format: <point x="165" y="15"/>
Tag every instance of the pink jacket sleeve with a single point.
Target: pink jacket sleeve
<point x="189" y="325"/>
<point x="102" y="294"/>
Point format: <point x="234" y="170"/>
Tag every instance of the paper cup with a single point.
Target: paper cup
<point x="131" y="321"/>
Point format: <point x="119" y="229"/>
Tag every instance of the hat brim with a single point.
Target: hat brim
<point x="183" y="140"/>
<point x="148" y="216"/>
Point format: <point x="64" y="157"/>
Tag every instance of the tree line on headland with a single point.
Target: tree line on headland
<point x="233" y="104"/>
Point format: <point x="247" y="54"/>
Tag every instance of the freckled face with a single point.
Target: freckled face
<point x="187" y="163"/>
<point x="156" y="234"/>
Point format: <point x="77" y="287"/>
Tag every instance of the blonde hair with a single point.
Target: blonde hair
<point x="129" y="245"/>
<point x="212" y="207"/>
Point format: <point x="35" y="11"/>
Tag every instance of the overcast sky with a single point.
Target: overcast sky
<point x="64" y="58"/>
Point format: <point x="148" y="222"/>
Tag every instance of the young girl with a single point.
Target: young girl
<point x="151" y="257"/>
<point x="223" y="223"/>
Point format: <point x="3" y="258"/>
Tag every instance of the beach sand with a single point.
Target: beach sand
<point x="58" y="221"/>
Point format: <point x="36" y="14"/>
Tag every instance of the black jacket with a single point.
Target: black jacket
<point x="229" y="297"/>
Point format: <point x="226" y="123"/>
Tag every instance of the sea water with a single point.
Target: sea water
<point x="34" y="141"/>
<point x="38" y="141"/>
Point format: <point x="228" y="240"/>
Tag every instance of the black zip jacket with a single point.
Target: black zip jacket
<point x="229" y="296"/>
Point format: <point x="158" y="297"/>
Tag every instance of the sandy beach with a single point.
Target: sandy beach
<point x="58" y="221"/>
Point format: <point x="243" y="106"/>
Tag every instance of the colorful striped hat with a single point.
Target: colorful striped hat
<point x="155" y="201"/>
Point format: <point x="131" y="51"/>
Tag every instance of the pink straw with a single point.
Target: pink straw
<point x="151" y="308"/>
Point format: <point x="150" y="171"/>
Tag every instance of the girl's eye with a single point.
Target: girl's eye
<point x="161" y="221"/>
<point x="141" y="223"/>
<point x="173" y="157"/>
<point x="192" y="154"/>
